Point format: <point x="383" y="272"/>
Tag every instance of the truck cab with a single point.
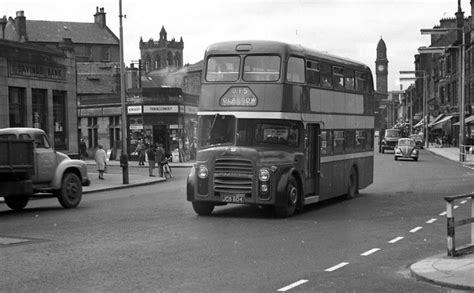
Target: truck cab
<point x="30" y="167"/>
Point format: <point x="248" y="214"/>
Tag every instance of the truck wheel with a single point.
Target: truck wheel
<point x="203" y="208"/>
<point x="70" y="194"/>
<point x="292" y="196"/>
<point x="16" y="203"/>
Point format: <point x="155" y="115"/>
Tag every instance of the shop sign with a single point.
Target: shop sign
<point x="176" y="126"/>
<point x="134" y="109"/>
<point x="191" y="110"/>
<point x="37" y="70"/>
<point x="160" y="109"/>
<point x="238" y="97"/>
<point x="109" y="111"/>
<point x="91" y="112"/>
<point x="136" y="127"/>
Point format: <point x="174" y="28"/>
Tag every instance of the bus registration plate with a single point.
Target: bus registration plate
<point x="233" y="197"/>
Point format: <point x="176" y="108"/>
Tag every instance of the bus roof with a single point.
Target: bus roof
<point x="276" y="47"/>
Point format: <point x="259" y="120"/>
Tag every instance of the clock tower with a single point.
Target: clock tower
<point x="381" y="67"/>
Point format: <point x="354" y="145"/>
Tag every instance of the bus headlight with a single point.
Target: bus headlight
<point x="202" y="172"/>
<point x="263" y="175"/>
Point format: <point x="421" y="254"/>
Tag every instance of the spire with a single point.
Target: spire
<point x="163" y="36"/>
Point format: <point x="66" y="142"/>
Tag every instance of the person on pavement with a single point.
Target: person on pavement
<point x="140" y="150"/>
<point x="151" y="160"/>
<point x="101" y="161"/>
<point x="160" y="158"/>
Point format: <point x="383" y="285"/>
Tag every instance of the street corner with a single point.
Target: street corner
<point x="116" y="182"/>
<point x="442" y="270"/>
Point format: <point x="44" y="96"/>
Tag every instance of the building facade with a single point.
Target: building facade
<point x="38" y="89"/>
<point x="157" y="55"/>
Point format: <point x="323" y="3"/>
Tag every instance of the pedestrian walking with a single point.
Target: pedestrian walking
<point x="140" y="150"/>
<point x="160" y="158"/>
<point x="82" y="149"/>
<point x="101" y="161"/>
<point x="151" y="160"/>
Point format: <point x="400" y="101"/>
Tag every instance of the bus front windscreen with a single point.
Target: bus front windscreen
<point x="216" y="130"/>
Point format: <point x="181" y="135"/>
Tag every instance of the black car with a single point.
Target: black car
<point x="418" y="140"/>
<point x="389" y="140"/>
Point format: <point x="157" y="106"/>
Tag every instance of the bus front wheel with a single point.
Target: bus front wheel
<point x="352" y="184"/>
<point x="292" y="195"/>
<point x="203" y="208"/>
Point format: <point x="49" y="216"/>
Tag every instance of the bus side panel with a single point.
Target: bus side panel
<point x="326" y="181"/>
<point x="366" y="178"/>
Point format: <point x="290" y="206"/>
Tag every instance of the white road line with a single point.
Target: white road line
<point x="396" y="239"/>
<point x="431" y="221"/>
<point x="455" y="207"/>
<point x="415" y="229"/>
<point x="463" y="202"/>
<point x="291" y="286"/>
<point x="442" y="214"/>
<point x="338" y="266"/>
<point x="369" y="252"/>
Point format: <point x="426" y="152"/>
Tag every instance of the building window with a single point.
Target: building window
<point x="92" y="132"/>
<point x="114" y="132"/>
<point x="17" y="106"/>
<point x="59" y="116"/>
<point x="40" y="112"/>
<point x="106" y="53"/>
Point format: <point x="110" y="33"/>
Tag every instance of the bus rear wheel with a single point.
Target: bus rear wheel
<point x="352" y="184"/>
<point x="203" y="208"/>
<point x="292" y="195"/>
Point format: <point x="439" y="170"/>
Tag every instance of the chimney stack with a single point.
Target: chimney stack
<point x="20" y="26"/>
<point x="99" y="17"/>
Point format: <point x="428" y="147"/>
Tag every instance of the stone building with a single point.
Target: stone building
<point x="442" y="79"/>
<point x="160" y="54"/>
<point x="38" y="89"/>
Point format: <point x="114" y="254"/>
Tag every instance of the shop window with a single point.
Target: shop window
<point x="17" y="106"/>
<point x="39" y="110"/>
<point x="114" y="131"/>
<point x="92" y="132"/>
<point x="59" y="117"/>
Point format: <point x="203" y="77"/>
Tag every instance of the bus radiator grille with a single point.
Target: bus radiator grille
<point x="233" y="176"/>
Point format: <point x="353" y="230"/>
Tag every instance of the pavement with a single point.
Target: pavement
<point x="115" y="181"/>
<point x="443" y="270"/>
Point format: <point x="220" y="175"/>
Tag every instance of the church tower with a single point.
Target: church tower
<point x="381" y="67"/>
<point x="156" y="55"/>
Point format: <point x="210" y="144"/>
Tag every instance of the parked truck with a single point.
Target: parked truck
<point x="31" y="168"/>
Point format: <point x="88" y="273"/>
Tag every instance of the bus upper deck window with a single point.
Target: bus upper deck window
<point x="261" y="68"/>
<point x="295" y="70"/>
<point x="223" y="68"/>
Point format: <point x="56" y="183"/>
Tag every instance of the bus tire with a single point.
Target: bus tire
<point x="16" y="203"/>
<point x="70" y="194"/>
<point x="352" y="184"/>
<point x="292" y="197"/>
<point x="203" y="208"/>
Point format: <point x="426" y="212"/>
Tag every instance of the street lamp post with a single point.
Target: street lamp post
<point x="425" y="101"/>
<point x="124" y="155"/>
<point x="442" y="50"/>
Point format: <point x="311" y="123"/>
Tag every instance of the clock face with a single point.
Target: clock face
<point x="381" y="67"/>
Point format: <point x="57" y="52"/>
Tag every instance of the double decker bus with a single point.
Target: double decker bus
<point x="280" y="125"/>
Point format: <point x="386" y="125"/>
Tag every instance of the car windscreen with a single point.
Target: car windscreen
<point x="392" y="133"/>
<point x="406" y="142"/>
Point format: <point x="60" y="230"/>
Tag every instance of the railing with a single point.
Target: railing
<point x="452" y="224"/>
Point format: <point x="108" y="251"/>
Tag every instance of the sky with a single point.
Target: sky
<point x="348" y="28"/>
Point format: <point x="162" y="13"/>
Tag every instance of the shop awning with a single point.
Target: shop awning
<point x="444" y="120"/>
<point x="419" y="124"/>
<point x="467" y="120"/>
<point x="435" y="120"/>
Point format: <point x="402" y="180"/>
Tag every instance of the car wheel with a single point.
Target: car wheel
<point x="203" y="208"/>
<point x="16" y="203"/>
<point x="352" y="184"/>
<point x="70" y="194"/>
<point x="415" y="159"/>
<point x="396" y="158"/>
<point x="292" y="196"/>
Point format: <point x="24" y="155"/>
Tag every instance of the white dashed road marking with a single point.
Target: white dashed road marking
<point x="291" y="286"/>
<point x="396" y="239"/>
<point x="442" y="214"/>
<point x="431" y="221"/>
<point x="455" y="207"/>
<point x="11" y="240"/>
<point x="415" y="229"/>
<point x="338" y="266"/>
<point x="369" y="252"/>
